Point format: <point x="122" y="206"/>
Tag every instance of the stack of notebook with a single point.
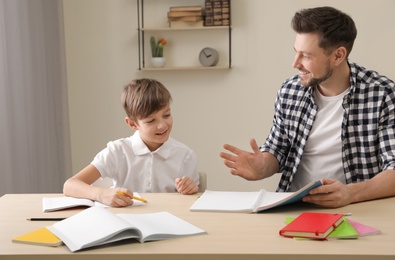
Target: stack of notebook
<point x="325" y="226"/>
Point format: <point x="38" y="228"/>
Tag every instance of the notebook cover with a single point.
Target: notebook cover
<point x="40" y="236"/>
<point x="312" y="225"/>
<point x="364" y="230"/>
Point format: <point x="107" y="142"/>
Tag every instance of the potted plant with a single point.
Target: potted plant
<point x="157" y="60"/>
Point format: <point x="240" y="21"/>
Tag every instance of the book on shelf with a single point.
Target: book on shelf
<point x="97" y="226"/>
<point x="185" y="8"/>
<point x="41" y="236"/>
<point x="239" y="201"/>
<point x="225" y="12"/>
<point x="209" y="14"/>
<point x="313" y="225"/>
<point x="217" y="12"/>
<point x="186" y="18"/>
<point x="185" y="24"/>
<point x="58" y="203"/>
<point x="184" y="13"/>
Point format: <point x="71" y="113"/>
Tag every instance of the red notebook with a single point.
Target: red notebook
<point x="312" y="225"/>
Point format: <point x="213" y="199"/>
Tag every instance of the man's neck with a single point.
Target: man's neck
<point x="337" y="83"/>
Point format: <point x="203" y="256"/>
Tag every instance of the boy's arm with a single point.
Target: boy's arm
<point x="79" y="186"/>
<point x="187" y="184"/>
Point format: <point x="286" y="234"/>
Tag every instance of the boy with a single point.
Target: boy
<point x="148" y="161"/>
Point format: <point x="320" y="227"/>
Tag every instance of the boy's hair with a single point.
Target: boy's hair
<point x="334" y="27"/>
<point x="142" y="97"/>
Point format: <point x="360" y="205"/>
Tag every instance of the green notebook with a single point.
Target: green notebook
<point x="344" y="231"/>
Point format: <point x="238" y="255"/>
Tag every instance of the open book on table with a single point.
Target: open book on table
<point x="59" y="203"/>
<point x="97" y="225"/>
<point x="239" y="201"/>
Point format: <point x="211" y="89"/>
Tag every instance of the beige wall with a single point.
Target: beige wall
<point x="210" y="108"/>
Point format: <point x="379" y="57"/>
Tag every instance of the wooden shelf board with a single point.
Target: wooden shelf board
<point x="186" y="68"/>
<point x="185" y="28"/>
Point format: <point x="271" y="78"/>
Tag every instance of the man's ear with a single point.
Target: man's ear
<point x="131" y="123"/>
<point x="340" y="54"/>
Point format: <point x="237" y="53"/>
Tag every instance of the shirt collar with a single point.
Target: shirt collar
<point x="140" y="148"/>
<point x="353" y="76"/>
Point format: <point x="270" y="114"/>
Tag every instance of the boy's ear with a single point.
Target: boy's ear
<point x="131" y="123"/>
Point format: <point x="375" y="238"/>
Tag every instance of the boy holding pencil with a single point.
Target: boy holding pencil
<point x="148" y="161"/>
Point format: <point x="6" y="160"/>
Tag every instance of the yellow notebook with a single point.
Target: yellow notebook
<point x="40" y="236"/>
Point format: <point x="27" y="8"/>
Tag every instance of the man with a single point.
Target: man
<point x="334" y="121"/>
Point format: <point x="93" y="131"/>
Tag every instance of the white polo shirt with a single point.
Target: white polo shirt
<point x="130" y="164"/>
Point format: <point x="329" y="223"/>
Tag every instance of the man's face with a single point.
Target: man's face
<point x="312" y="62"/>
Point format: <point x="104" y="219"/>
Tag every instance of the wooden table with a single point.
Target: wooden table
<point x="229" y="235"/>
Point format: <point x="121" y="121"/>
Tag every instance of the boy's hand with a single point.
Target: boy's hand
<point x="118" y="197"/>
<point x="186" y="185"/>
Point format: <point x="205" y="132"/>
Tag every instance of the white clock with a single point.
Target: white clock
<point x="208" y="57"/>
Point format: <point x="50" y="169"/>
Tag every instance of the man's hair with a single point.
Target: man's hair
<point x="142" y="97"/>
<point x="333" y="27"/>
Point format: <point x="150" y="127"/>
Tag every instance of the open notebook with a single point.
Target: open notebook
<point x="97" y="225"/>
<point x="239" y="201"/>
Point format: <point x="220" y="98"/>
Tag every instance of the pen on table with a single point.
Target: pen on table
<point x="347" y="214"/>
<point x="45" y="219"/>
<point x="134" y="197"/>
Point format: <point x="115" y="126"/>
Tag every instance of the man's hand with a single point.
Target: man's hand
<point x="250" y="166"/>
<point x="332" y="194"/>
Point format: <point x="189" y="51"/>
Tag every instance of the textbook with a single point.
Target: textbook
<point x="238" y="201"/>
<point x="59" y="203"/>
<point x="41" y="236"/>
<point x="97" y="226"/>
<point x="185" y="8"/>
<point x="312" y="225"/>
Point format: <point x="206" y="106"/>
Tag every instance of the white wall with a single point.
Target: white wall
<point x="210" y="108"/>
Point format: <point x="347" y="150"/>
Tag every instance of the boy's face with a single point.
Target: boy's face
<point x="154" y="129"/>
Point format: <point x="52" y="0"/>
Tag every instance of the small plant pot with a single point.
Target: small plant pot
<point x="158" y="62"/>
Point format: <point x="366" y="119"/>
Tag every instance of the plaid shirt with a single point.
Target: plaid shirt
<point x="367" y="131"/>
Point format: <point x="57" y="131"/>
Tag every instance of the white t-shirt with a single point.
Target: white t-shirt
<point x="322" y="156"/>
<point x="130" y="164"/>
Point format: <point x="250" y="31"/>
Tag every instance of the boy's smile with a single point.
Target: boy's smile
<point x="155" y="129"/>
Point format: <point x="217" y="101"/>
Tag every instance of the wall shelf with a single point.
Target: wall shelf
<point x="144" y="34"/>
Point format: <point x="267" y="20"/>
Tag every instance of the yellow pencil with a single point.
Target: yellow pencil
<point x="134" y="197"/>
